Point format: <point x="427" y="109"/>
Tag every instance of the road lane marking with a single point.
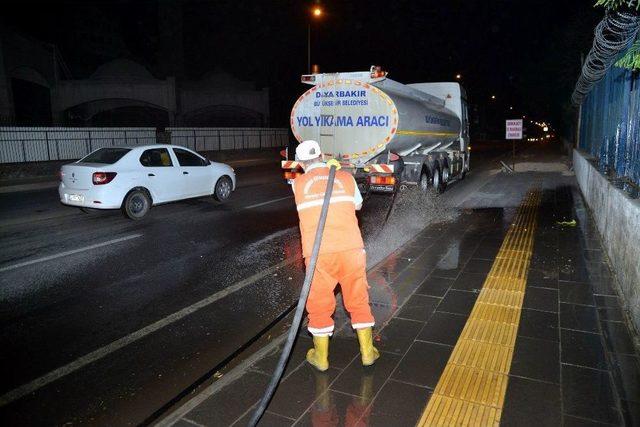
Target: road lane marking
<point x="267" y="202"/>
<point x="473" y="385"/>
<point x="116" y="345"/>
<point x="67" y="253"/>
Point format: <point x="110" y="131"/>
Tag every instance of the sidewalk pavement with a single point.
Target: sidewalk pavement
<point x="570" y="359"/>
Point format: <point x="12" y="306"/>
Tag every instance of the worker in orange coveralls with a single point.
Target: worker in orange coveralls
<point x="342" y="258"/>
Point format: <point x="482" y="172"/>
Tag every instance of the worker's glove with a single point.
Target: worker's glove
<point x="334" y="162"/>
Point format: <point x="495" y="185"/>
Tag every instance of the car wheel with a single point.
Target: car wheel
<point x="222" y="190"/>
<point x="136" y="204"/>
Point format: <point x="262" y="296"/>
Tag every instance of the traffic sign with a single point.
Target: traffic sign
<point x="514" y="129"/>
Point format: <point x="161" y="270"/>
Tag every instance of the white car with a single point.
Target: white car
<point x="135" y="178"/>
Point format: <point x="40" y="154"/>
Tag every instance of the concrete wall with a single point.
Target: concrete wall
<point x="618" y="221"/>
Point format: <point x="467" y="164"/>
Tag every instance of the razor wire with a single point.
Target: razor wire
<point x="613" y="34"/>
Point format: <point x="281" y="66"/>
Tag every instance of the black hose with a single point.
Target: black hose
<point x="297" y="318"/>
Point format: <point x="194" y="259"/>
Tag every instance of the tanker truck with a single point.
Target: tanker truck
<point x="389" y="135"/>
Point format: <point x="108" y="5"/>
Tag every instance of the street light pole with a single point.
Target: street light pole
<point x="309" y="48"/>
<point x="315" y="13"/>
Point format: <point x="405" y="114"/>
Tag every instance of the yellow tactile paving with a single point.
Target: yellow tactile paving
<point x="482" y="355"/>
<point x="501" y="297"/>
<point x="495" y="313"/>
<point x="500" y="283"/>
<point x="489" y="332"/>
<point x="450" y="411"/>
<point x="473" y="385"/>
<point x="513" y="254"/>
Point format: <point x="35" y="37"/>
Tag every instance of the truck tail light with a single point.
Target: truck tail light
<point x="308" y="78"/>
<point x="291" y="174"/>
<point x="101" y="178"/>
<point x="377" y="72"/>
<point x="382" y="180"/>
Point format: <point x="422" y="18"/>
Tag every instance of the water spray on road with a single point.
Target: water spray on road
<point x="413" y="211"/>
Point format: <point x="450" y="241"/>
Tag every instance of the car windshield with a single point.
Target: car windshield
<point x="106" y="156"/>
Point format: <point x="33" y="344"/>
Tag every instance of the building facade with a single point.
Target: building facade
<point x="37" y="89"/>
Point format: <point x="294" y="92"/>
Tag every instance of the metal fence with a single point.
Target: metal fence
<point x="34" y="144"/>
<point x="610" y="125"/>
<point x="216" y="139"/>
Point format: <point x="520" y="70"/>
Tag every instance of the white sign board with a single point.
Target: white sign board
<point x="514" y="129"/>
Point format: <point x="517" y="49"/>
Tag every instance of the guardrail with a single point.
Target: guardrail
<point x="35" y="144"/>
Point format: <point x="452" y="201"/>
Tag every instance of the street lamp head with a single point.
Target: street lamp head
<point x="317" y="11"/>
<point x="458" y="76"/>
<point x="493" y="97"/>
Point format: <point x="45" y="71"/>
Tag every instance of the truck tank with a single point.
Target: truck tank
<point x="354" y="120"/>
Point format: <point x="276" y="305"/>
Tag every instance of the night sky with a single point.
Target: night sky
<point x="525" y="52"/>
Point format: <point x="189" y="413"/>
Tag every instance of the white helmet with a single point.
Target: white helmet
<point x="308" y="150"/>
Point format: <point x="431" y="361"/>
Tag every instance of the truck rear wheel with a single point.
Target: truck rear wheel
<point x="424" y="181"/>
<point x="438" y="184"/>
<point x="465" y="167"/>
<point x="445" y="177"/>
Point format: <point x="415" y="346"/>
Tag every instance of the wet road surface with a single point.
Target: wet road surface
<point x="105" y="320"/>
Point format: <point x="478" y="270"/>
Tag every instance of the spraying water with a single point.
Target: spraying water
<point x="413" y="211"/>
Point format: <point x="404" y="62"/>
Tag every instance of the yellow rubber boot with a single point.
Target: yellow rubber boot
<point x="318" y="356"/>
<point x="368" y="352"/>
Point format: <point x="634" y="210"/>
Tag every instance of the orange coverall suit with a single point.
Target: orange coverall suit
<point x="342" y="258"/>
